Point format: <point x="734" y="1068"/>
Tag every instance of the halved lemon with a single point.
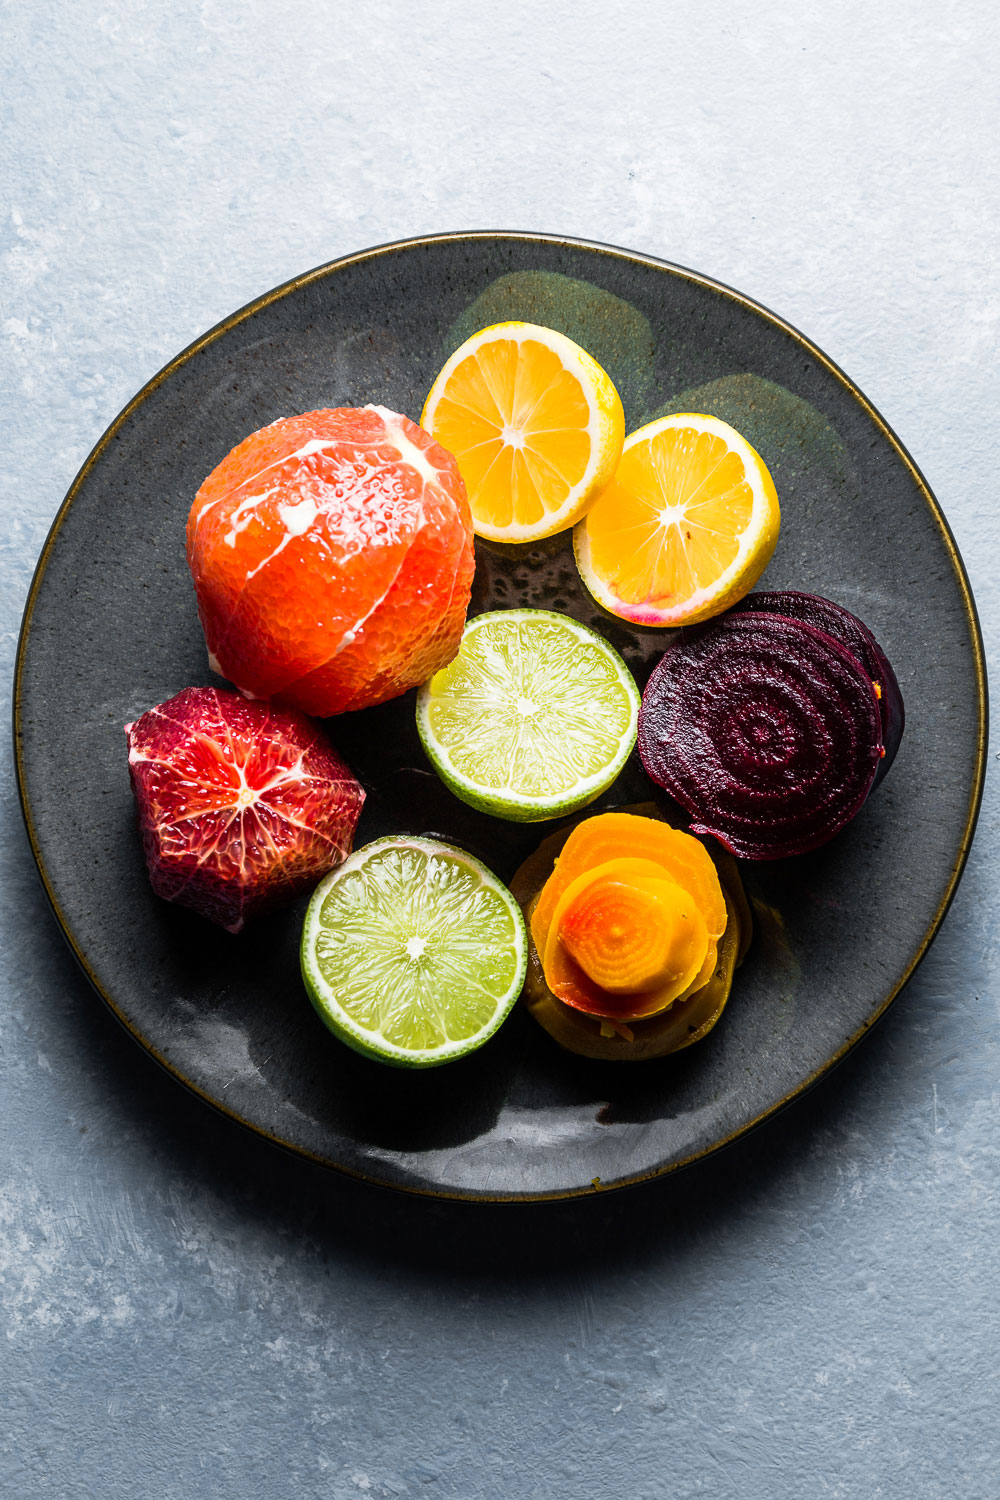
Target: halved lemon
<point x="686" y="526"/>
<point x="535" y="424"/>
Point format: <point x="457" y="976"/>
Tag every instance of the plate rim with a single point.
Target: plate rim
<point x="318" y="273"/>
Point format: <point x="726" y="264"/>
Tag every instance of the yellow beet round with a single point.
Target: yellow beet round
<point x="621" y="835"/>
<point x="637" y="937"/>
<point x="543" y="878"/>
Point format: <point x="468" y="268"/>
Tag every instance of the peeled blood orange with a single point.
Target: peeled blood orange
<point x="332" y="558"/>
<point x="241" y="806"/>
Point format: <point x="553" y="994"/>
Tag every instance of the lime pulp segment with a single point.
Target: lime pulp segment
<point x="535" y="716"/>
<point x="413" y="952"/>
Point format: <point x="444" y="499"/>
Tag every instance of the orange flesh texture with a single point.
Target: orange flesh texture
<point x="517" y="422"/>
<point x="671" y="519"/>
<point x="625" y="835"/>
<point x="300" y="536"/>
<point x="630" y="928"/>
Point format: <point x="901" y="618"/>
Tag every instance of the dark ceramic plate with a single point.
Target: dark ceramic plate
<point x="111" y="629"/>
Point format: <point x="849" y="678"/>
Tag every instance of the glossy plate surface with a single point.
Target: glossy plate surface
<point x="111" y="629"/>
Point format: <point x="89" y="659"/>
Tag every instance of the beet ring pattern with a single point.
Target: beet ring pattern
<point x="765" y="729"/>
<point x="853" y="634"/>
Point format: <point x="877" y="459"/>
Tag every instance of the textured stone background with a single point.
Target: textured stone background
<point x="185" y="1311"/>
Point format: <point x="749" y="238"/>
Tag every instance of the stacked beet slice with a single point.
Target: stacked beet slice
<point x="772" y="723"/>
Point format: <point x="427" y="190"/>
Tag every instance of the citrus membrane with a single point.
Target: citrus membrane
<point x="534" y="718"/>
<point x="535" y="425"/>
<point x="413" y="952"/>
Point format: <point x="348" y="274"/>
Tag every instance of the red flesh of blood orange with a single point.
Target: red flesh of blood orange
<point x="241" y="806"/>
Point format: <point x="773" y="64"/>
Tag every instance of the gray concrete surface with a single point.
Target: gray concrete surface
<point x="185" y="1312"/>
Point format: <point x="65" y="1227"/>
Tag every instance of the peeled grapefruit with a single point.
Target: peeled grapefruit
<point x="241" y="806"/>
<point x="332" y="558"/>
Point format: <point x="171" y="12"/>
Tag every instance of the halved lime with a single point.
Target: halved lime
<point x="534" y="718"/>
<point x="413" y="952"/>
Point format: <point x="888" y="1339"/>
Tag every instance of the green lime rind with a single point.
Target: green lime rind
<point x="413" y="952"/>
<point x="534" y="718"/>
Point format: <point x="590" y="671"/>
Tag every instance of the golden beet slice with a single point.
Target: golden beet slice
<point x="691" y="1016"/>
<point x="629" y="928"/>
<point x="618" y="835"/>
<point x="624" y="940"/>
<point x="688" y="1020"/>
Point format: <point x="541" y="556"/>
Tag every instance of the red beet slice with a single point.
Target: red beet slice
<point x="241" y="806"/>
<point x="853" y="634"/>
<point x="765" y="729"/>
